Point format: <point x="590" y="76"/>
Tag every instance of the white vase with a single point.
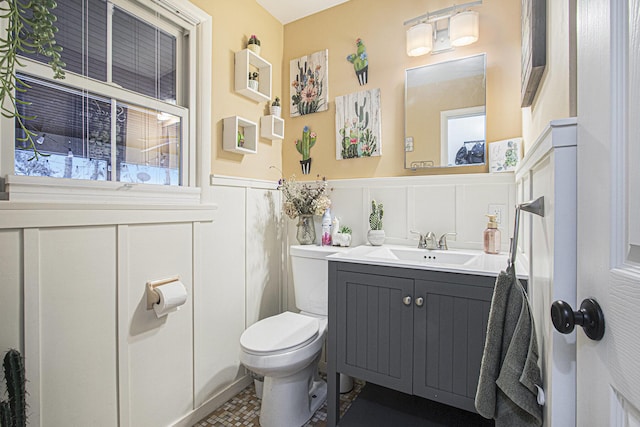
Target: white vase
<point x="275" y="110"/>
<point x="375" y="237"/>
<point x="254" y="48"/>
<point x="253" y="84"/>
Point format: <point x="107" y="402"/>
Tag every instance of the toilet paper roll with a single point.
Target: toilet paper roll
<point x="172" y="296"/>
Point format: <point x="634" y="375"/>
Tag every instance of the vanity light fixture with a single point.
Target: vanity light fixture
<point x="420" y="39"/>
<point x="443" y="29"/>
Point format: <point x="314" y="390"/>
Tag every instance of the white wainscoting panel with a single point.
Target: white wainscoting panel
<point x="219" y="302"/>
<point x="347" y="203"/>
<point x="549" y="246"/>
<point x="78" y="361"/>
<point x="160" y="350"/>
<point x="11" y="327"/>
<point x="434" y="209"/>
<point x="74" y="290"/>
<point x="395" y="220"/>
<point x="264" y="262"/>
<point x="437" y="203"/>
<point x="472" y="206"/>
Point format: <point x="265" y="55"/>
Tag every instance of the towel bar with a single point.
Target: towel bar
<point x="533" y="206"/>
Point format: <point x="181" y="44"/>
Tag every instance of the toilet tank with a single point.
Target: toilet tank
<point x="310" y="282"/>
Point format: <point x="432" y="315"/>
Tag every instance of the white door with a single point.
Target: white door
<point x="608" y="371"/>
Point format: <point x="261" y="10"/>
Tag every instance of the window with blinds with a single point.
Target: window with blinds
<point x="119" y="115"/>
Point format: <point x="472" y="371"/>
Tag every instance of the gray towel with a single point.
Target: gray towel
<point x="509" y="371"/>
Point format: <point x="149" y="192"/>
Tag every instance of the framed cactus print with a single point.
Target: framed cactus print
<point x="358" y="127"/>
<point x="309" y="83"/>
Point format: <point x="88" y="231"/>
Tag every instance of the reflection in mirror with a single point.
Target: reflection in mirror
<point x="445" y="114"/>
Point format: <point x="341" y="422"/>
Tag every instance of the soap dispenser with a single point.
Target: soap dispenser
<point x="492" y="236"/>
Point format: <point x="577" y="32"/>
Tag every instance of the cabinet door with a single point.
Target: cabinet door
<point x="449" y="334"/>
<point x="375" y="328"/>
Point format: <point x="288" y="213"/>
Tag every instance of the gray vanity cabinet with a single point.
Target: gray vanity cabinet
<point x="416" y="331"/>
<point x="376" y="328"/>
<point x="450" y="328"/>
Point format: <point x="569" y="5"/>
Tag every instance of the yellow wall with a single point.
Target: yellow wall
<point x="233" y="22"/>
<point x="554" y="99"/>
<point x="379" y="24"/>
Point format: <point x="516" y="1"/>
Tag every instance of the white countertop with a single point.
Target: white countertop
<point x="466" y="261"/>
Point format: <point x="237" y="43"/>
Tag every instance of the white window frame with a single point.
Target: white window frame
<point x="196" y="139"/>
<point x="444" y="129"/>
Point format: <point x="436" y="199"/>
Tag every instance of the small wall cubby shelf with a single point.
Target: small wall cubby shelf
<point x="271" y="127"/>
<point x="247" y="61"/>
<point x="230" y="128"/>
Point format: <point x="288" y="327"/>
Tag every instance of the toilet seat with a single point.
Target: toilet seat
<point x="281" y="333"/>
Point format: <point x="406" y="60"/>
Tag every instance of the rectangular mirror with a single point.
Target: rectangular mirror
<point x="445" y="114"/>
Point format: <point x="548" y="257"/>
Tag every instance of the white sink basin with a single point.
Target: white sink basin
<point x="423" y="255"/>
<point x="454" y="260"/>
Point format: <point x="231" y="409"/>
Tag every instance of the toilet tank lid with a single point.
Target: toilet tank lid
<point x="279" y="332"/>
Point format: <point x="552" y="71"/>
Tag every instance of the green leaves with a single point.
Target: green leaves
<point x="31" y="28"/>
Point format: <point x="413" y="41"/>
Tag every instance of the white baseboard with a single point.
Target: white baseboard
<point x="214" y="403"/>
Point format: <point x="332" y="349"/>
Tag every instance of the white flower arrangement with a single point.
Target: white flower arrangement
<point x="304" y="198"/>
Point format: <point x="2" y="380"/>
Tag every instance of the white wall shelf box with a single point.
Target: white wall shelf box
<point x="272" y="127"/>
<point x="231" y="126"/>
<point x="247" y="61"/>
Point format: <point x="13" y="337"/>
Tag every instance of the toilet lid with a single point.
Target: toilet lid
<point x="281" y="332"/>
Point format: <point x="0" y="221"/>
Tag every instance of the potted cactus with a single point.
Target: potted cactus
<point x="254" y="44"/>
<point x="13" y="411"/>
<point x="253" y="80"/>
<point x="376" y="233"/>
<point x="275" y="108"/>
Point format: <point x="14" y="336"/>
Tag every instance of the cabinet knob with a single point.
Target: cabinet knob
<point x="406" y="300"/>
<point x="419" y="301"/>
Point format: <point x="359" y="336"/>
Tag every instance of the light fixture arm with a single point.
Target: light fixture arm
<point x="441" y="14"/>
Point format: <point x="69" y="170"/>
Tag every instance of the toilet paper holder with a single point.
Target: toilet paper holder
<point x="152" y="296"/>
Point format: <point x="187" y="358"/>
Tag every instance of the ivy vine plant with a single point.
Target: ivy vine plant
<point x="30" y="28"/>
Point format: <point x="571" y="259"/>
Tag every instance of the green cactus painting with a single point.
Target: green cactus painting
<point x="304" y="146"/>
<point x="360" y="62"/>
<point x="358" y="125"/>
<point x="309" y="84"/>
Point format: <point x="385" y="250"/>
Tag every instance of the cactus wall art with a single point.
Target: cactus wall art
<point x="304" y="147"/>
<point x="360" y="62"/>
<point x="358" y="128"/>
<point x="309" y="83"/>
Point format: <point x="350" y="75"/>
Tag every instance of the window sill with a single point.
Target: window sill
<point x="30" y="189"/>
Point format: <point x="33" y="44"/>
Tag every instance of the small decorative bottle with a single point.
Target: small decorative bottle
<point x="492" y="236"/>
<point x="326" y="228"/>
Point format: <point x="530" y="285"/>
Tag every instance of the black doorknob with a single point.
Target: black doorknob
<point x="590" y="317"/>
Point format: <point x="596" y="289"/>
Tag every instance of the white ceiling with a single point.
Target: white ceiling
<point x="287" y="11"/>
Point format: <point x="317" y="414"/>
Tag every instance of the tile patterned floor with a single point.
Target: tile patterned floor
<point x="243" y="410"/>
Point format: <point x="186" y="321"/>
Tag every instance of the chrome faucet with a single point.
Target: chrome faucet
<point x="429" y="241"/>
<point x="426" y="241"/>
<point x="442" y="243"/>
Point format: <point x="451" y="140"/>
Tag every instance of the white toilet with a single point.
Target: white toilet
<point x="286" y="348"/>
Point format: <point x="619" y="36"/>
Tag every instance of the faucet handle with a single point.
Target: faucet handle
<point x="421" y="239"/>
<point x="416" y="232"/>
<point x="442" y="243"/>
